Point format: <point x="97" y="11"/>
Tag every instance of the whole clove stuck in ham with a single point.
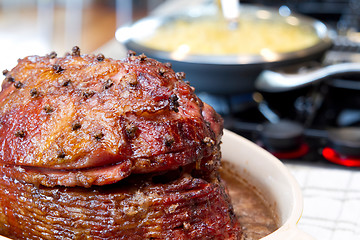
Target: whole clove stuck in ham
<point x="96" y="148"/>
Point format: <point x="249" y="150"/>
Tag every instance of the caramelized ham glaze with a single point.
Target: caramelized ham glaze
<point x="84" y="120"/>
<point x="95" y="148"/>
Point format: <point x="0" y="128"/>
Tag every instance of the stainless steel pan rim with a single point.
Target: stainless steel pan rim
<point x="130" y="35"/>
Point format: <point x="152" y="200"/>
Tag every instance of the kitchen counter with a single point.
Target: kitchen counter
<point x="331" y="194"/>
<point x="331" y="201"/>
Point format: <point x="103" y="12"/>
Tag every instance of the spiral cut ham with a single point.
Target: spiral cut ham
<point x="185" y="208"/>
<point x="96" y="148"/>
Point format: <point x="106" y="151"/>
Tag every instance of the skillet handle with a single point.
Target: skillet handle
<point x="270" y="81"/>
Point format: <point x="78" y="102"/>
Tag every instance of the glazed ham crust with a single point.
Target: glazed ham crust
<point x="81" y="120"/>
<point x="95" y="148"/>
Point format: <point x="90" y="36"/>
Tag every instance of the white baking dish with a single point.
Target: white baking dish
<point x="272" y="179"/>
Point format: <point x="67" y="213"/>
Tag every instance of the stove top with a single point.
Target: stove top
<point x="317" y="124"/>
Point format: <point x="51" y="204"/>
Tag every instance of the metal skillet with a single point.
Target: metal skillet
<point x="223" y="74"/>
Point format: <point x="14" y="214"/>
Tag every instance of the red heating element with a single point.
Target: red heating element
<point x="334" y="157"/>
<point x="297" y="153"/>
